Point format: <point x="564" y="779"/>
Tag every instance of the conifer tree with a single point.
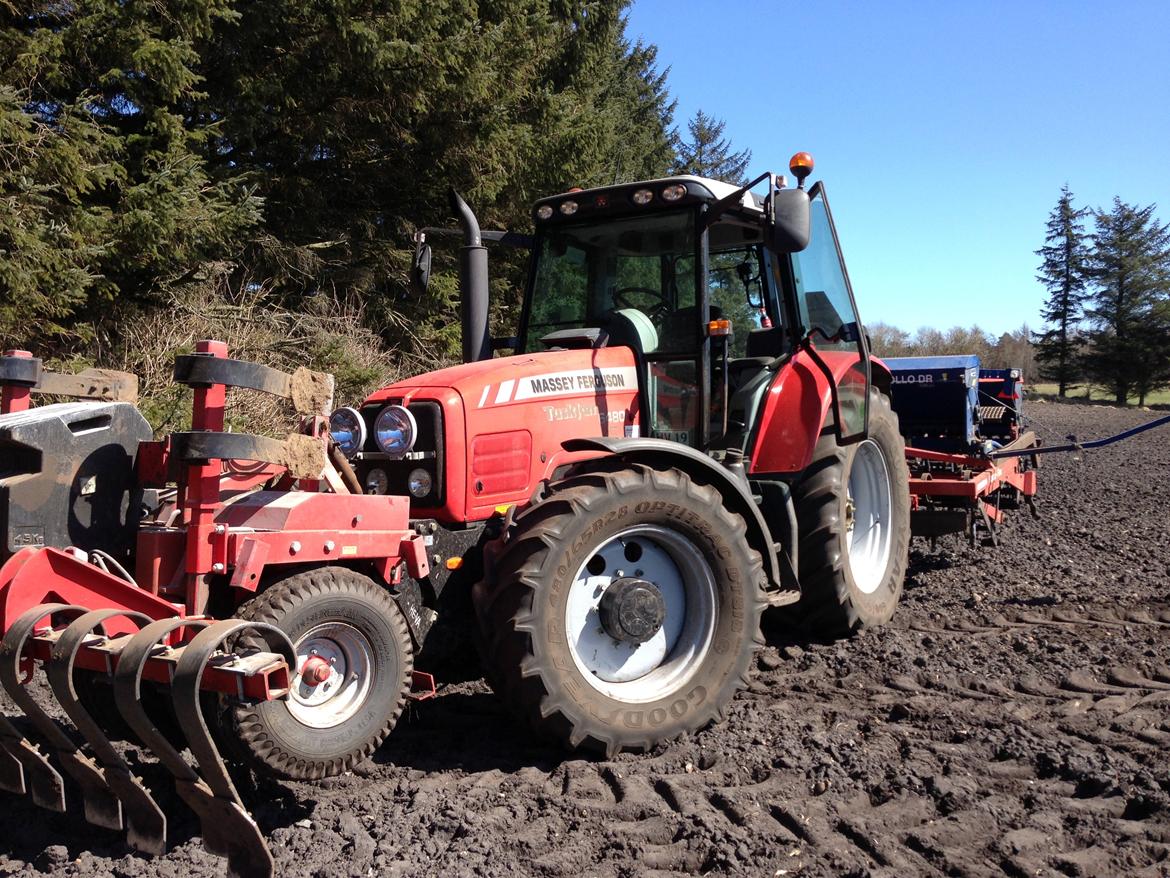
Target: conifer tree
<point x="1129" y="269"/>
<point x="706" y="152"/>
<point x="1062" y="272"/>
<point x="105" y="194"/>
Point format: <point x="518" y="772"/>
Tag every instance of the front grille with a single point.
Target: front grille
<point x="428" y="453"/>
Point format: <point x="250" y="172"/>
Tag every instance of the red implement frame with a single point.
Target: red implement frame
<point x="951" y="492"/>
<point x="219" y="535"/>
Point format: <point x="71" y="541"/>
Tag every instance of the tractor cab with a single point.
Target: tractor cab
<point x="712" y="286"/>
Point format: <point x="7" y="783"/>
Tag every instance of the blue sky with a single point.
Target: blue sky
<point x="943" y="130"/>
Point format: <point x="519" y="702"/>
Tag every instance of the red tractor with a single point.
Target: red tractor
<point x="690" y="430"/>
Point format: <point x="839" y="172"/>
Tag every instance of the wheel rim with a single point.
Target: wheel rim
<point x="349" y="657"/>
<point x="869" y="513"/>
<point x="647" y="671"/>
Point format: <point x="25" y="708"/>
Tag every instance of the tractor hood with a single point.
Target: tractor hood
<point x="527" y="378"/>
<point x="492" y="430"/>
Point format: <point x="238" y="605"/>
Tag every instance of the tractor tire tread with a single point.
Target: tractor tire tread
<point x="274" y="604"/>
<point x="826" y="606"/>
<point x="506" y="615"/>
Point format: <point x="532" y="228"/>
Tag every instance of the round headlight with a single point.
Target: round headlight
<point x="674" y="192"/>
<point x="395" y="431"/>
<point x="377" y="482"/>
<point x="419" y="483"/>
<point x="568" y="208"/>
<point x="643" y="196"/>
<point x="348" y="429"/>
<point x="544" y="211"/>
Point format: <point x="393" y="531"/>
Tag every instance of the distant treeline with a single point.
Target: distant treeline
<point x="1108" y="309"/>
<point x="1011" y="350"/>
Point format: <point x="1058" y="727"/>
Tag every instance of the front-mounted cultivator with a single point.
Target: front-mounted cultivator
<point x="208" y="516"/>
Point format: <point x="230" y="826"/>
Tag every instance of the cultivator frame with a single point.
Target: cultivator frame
<point x="219" y="530"/>
<point x="967" y="493"/>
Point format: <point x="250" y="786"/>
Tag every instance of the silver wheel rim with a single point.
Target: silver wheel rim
<point x="869" y="514"/>
<point x="351" y="675"/>
<point x="642" y="672"/>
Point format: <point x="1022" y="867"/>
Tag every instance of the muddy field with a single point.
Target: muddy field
<point x="1014" y="720"/>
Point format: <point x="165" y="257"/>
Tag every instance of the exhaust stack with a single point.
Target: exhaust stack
<point x="473" y="284"/>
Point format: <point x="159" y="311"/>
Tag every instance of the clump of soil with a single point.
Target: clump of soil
<point x="1014" y="719"/>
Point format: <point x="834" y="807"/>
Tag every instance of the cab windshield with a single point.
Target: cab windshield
<point x="641" y="268"/>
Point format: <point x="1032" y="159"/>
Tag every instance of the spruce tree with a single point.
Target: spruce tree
<point x="105" y="194"/>
<point x="706" y="152"/>
<point x="354" y="119"/>
<point x="1062" y="272"/>
<point x="1129" y="270"/>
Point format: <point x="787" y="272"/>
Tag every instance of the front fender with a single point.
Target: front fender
<point x="700" y="467"/>
<point x="797" y="407"/>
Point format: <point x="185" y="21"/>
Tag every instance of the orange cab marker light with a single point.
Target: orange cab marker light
<point x="503" y="510"/>
<point x="719" y="327"/>
<point x="454" y="563"/>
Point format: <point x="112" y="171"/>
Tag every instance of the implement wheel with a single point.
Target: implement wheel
<point x="624" y="611"/>
<point x="354" y="657"/>
<point x="853" y="511"/>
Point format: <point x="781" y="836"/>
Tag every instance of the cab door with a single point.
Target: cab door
<point x="828" y="313"/>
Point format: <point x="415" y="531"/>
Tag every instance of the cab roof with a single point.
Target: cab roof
<point x="619" y="197"/>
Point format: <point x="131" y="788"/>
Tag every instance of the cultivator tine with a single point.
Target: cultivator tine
<point x="227" y="828"/>
<point x="246" y="850"/>
<point x="11" y="771"/>
<point x="102" y="807"/>
<point x="20" y="756"/>
<point x="146" y="825"/>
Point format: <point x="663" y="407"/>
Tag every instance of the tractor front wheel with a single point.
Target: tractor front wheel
<point x="624" y="610"/>
<point x="853" y="511"/>
<point x="354" y="657"/>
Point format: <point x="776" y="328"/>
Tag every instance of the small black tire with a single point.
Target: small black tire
<point x="523" y="609"/>
<point x="835" y="599"/>
<point x="341" y="602"/>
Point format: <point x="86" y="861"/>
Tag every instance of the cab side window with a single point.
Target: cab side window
<point x="822" y="291"/>
<point x="737" y="291"/>
<point x="828" y="313"/>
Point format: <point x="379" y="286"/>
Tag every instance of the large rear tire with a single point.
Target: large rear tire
<point x="624" y="610"/>
<point x="352" y="629"/>
<point x="853" y="512"/>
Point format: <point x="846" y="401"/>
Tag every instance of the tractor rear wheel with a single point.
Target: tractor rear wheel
<point x="624" y="610"/>
<point x="355" y="659"/>
<point x="853" y="512"/>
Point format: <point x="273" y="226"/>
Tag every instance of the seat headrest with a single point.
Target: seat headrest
<point x="629" y="327"/>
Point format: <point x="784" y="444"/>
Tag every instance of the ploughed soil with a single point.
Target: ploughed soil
<point x="1014" y="719"/>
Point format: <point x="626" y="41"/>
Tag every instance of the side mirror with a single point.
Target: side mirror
<point x="791" y="231"/>
<point x="420" y="268"/>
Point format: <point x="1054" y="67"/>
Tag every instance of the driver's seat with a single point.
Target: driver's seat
<point x="629" y="327"/>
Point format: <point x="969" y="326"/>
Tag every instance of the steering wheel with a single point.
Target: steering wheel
<point x="658" y="309"/>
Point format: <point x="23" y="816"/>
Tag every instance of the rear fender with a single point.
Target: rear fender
<point x="659" y="452"/>
<point x="797" y="408"/>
